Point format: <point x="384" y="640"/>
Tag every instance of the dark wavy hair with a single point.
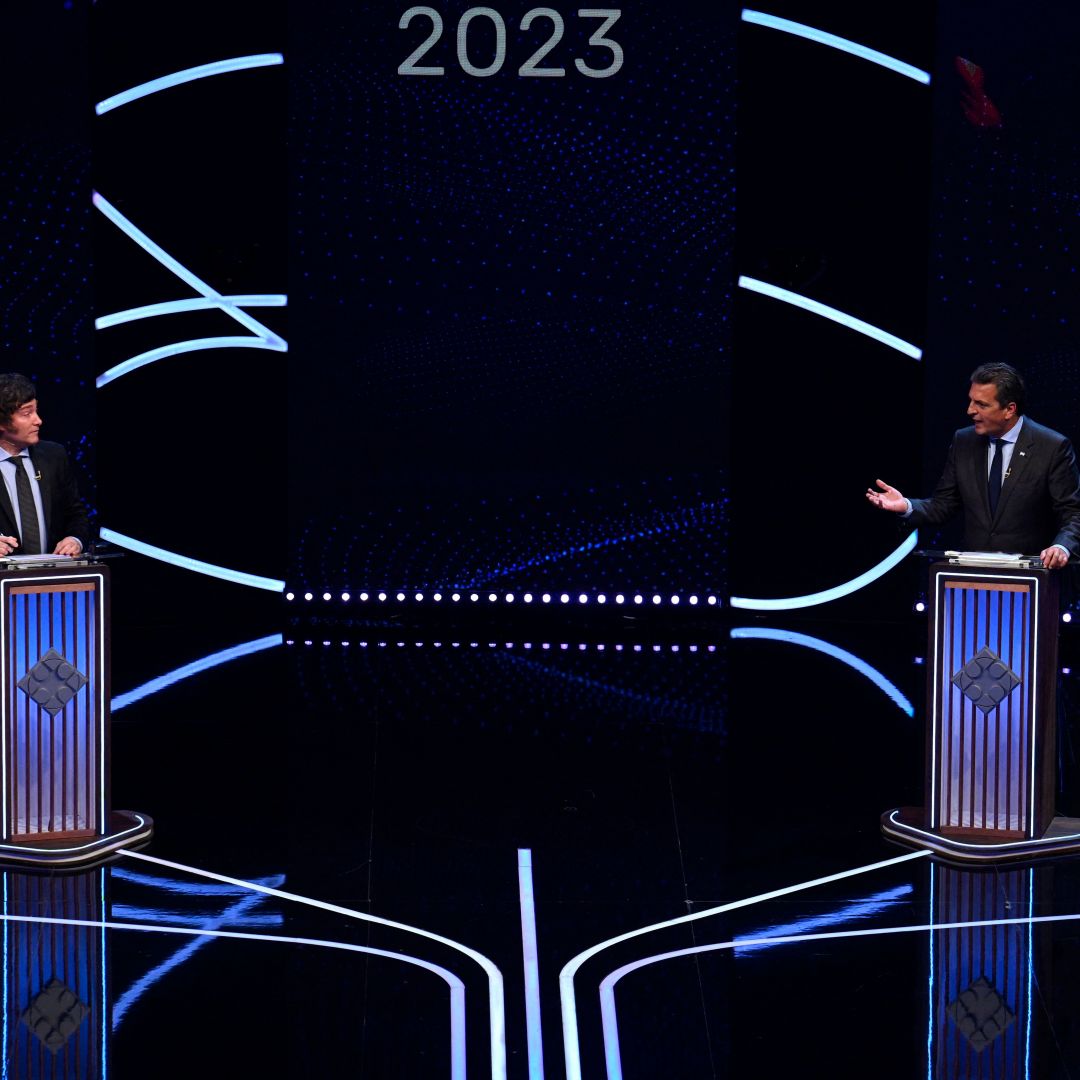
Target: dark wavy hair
<point x="15" y="391"/>
<point x="1006" y="379"/>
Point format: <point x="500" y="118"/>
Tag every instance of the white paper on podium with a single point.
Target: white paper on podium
<point x="988" y="558"/>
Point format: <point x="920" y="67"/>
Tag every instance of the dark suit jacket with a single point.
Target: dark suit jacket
<point x="1040" y="497"/>
<point x="65" y="514"/>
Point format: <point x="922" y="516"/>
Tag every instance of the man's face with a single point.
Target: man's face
<point x="988" y="415"/>
<point x="22" y="430"/>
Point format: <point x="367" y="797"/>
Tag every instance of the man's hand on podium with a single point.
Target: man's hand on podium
<point x="1054" y="558"/>
<point x="888" y="498"/>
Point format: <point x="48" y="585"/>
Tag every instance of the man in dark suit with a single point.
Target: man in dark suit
<point x="38" y="484"/>
<point x="1034" y="481"/>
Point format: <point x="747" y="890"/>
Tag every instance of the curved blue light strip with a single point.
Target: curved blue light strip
<point x="186" y="563"/>
<point x="222" y="657"/>
<point x="826" y="312"/>
<point x="264" y="337"/>
<point x="788" y="603"/>
<point x="773" y="22"/>
<point x="179" y="347"/>
<point x="218" y="67"/>
<point x="195" y="303"/>
<point x="861" y="666"/>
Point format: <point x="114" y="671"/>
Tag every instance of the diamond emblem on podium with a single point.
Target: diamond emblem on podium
<point x="52" y="682"/>
<point x="980" y="1013"/>
<point x="986" y="680"/>
<point x="55" y="1014"/>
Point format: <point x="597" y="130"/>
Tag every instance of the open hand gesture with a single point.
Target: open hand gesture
<point x="888" y="498"/>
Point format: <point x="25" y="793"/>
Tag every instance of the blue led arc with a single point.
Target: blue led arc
<point x="861" y="666"/>
<point x="196" y="666"/>
<point x="815" y="307"/>
<point x="195" y="303"/>
<point x="177" y="78"/>
<point x="827" y="595"/>
<point x="187" y="563"/>
<point x="263" y="337"/>
<point x="179" y="348"/>
<point x="810" y="33"/>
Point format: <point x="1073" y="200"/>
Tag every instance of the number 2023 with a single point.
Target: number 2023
<point x="531" y="67"/>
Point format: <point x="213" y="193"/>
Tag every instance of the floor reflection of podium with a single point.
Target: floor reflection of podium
<point x="55" y="1016"/>
<point x="987" y="1019"/>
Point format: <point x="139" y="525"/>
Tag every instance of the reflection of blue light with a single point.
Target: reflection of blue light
<point x="231" y="916"/>
<point x="496" y="994"/>
<point x="836" y="316"/>
<point x="843" y="44"/>
<point x="568" y="995"/>
<point x="218" y="67"/>
<point x="861" y="666"/>
<point x="532" y="971"/>
<point x="837" y="591"/>
<point x="872" y="905"/>
<point x="194" y="303"/>
<point x="187" y="563"/>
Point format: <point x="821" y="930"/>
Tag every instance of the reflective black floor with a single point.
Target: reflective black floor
<point x="601" y="849"/>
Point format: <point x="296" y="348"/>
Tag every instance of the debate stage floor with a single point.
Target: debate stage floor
<point x="649" y="849"/>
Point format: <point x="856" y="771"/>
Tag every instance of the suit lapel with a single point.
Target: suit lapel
<point x="7" y="511"/>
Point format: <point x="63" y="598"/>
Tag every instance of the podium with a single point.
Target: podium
<point x="54" y="717"/>
<point x="991" y="762"/>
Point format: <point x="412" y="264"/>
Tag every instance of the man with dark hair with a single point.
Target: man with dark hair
<point x="1015" y="481"/>
<point x="40" y="508"/>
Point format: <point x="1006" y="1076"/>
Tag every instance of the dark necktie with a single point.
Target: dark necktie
<point x="30" y="541"/>
<point x="993" y="484"/>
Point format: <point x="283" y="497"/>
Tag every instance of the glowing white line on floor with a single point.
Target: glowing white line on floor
<point x="193" y="303"/>
<point x="457" y="987"/>
<point x="815" y="307"/>
<point x="567" y="994"/>
<point x="822" y="37"/>
<point x="185" y="562"/>
<point x="218" y="67"/>
<point x="496" y="996"/>
<point x="534" y="1033"/>
<point x="196" y="666"/>
<point x="861" y="666"/>
<point x="823" y="597"/>
<point x="607" y="986"/>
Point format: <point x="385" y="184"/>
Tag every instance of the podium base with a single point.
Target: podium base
<point x="126" y="830"/>
<point x="905" y="826"/>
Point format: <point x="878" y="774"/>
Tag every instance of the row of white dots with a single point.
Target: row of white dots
<point x="510" y="598"/>
<point x="562" y="646"/>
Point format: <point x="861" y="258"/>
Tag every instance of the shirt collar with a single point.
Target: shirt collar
<point x="1013" y="433"/>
